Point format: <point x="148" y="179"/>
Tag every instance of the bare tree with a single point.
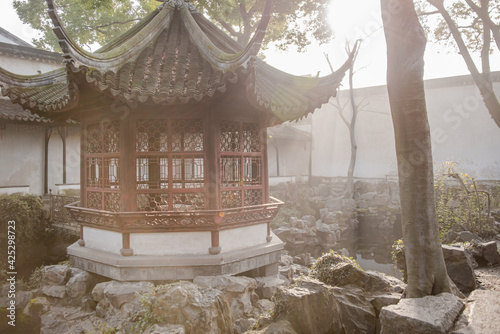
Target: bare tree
<point x="351" y="125"/>
<point x="406" y="41"/>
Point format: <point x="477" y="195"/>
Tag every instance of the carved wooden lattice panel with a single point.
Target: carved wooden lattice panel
<point x="152" y="202"/>
<point x="170" y="164"/>
<point x="229" y="136"/>
<point x="102" y="165"/>
<point x="241" y="164"/>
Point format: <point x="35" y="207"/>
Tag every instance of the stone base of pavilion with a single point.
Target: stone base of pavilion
<point x="259" y="260"/>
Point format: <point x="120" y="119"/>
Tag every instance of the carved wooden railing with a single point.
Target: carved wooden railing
<point x="175" y="221"/>
<point x="59" y="214"/>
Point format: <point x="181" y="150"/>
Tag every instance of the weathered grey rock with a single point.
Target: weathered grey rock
<point x="166" y="329"/>
<point x="201" y="310"/>
<point x="330" y="218"/>
<point x="104" y="308"/>
<point x="36" y="307"/>
<point x="343" y="272"/>
<point x="490" y="252"/>
<point x="56" y="274"/>
<point x="460" y="268"/>
<point x="429" y="315"/>
<point x="468" y="236"/>
<point x="310" y="220"/>
<point x="380" y="301"/>
<point x="98" y="291"/>
<point x="119" y="293"/>
<point x="79" y="284"/>
<point x="227" y="283"/>
<point x="264" y="306"/>
<point x="267" y="286"/>
<point x="237" y="292"/>
<point x="56" y="291"/>
<point x="286" y="260"/>
<point x="280" y="327"/>
<point x="312" y="307"/>
<point x="65" y="320"/>
<point x="72" y="271"/>
<point x="482" y="311"/>
<point x="242" y="325"/>
<point x="349" y="205"/>
<point x="485" y="252"/>
<point x="323" y="212"/>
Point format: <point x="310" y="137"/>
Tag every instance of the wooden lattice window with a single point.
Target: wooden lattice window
<point x="102" y="164"/>
<point x="170" y="164"/>
<point x="241" y="164"/>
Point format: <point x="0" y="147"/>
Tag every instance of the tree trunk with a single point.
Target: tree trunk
<point x="352" y="133"/>
<point x="405" y="39"/>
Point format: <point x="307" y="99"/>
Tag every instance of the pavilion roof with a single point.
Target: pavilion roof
<point x="172" y="56"/>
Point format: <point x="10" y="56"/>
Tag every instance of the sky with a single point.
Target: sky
<point x="351" y="20"/>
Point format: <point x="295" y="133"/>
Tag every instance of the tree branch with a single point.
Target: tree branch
<point x="487" y="22"/>
<point x="483" y="85"/>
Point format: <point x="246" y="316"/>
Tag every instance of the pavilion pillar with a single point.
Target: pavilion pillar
<point x="126" y="250"/>
<point x="215" y="248"/>
<point x="48" y="132"/>
<point x="269" y="237"/>
<point x="81" y="241"/>
<point x="127" y="165"/>
<point x="212" y="173"/>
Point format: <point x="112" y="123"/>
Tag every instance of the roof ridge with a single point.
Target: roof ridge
<point x="14" y="38"/>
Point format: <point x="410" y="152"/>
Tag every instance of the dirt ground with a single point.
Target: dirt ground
<point x="488" y="278"/>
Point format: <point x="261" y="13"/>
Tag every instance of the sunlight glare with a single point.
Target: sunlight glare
<point x="351" y="20"/>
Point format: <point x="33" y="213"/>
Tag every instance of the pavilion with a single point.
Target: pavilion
<point x="174" y="175"/>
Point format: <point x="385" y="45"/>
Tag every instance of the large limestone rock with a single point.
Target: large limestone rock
<point x="55" y="275"/>
<point x="429" y="315"/>
<point x="460" y="268"/>
<point x="336" y="270"/>
<point x="119" y="293"/>
<point x="79" y="284"/>
<point x="313" y="307"/>
<point x="201" y="310"/>
<point x="65" y="320"/>
<point x="239" y="292"/>
<point x="36" y="307"/>
<point x="485" y="252"/>
<point x="267" y="286"/>
<point x="55" y="291"/>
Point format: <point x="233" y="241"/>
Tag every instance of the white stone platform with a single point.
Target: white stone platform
<point x="263" y="257"/>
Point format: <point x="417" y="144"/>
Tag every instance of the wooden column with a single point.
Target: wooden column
<point x="216" y="249"/>
<point x="128" y="164"/>
<point x="63" y="133"/>
<point x="83" y="169"/>
<point x="265" y="165"/>
<point x="48" y="132"/>
<point x="212" y="174"/>
<point x="126" y="250"/>
<point x="81" y="242"/>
